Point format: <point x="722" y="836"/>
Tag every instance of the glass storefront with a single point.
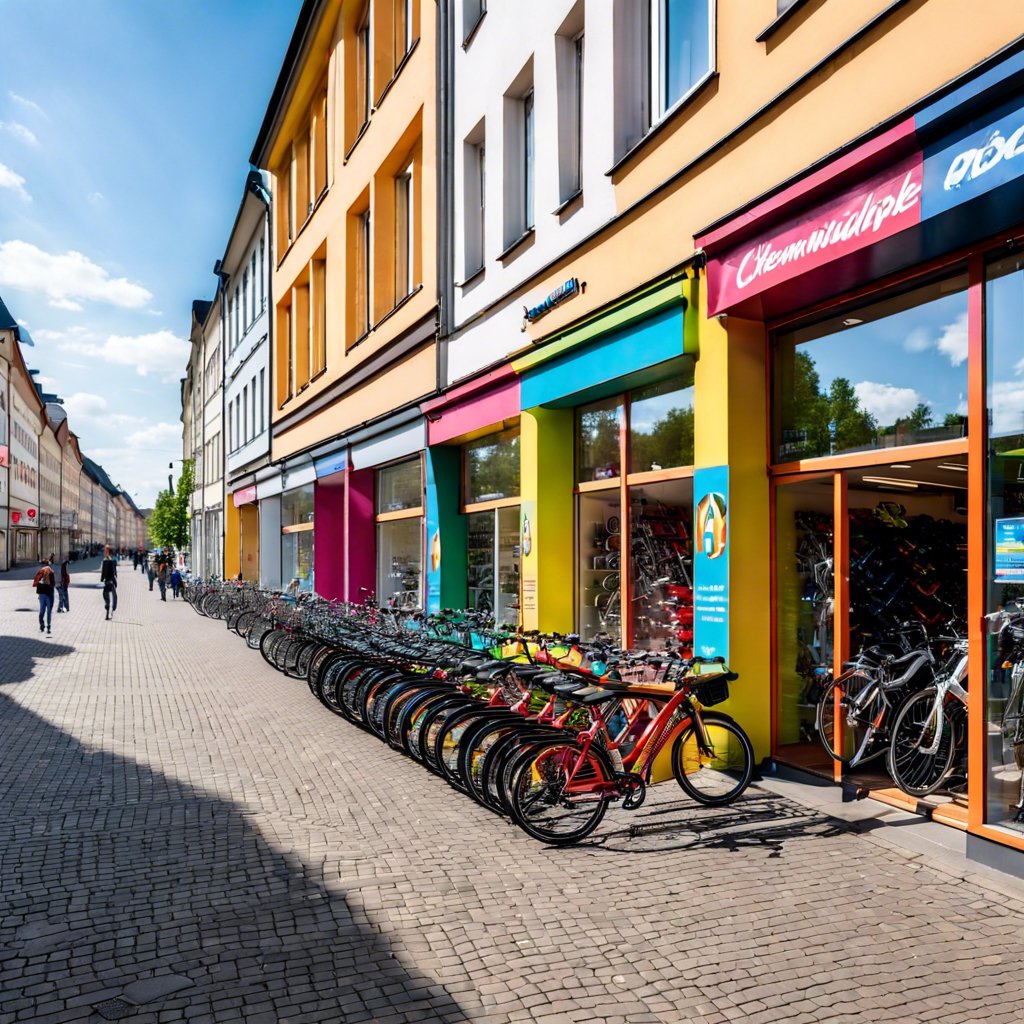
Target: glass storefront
<point x="875" y="376"/>
<point x="297" y="538"/>
<point x="399" y="514"/>
<point x="1004" y="315"/>
<point x="491" y="468"/>
<point x="493" y="562"/>
<point x="650" y="431"/>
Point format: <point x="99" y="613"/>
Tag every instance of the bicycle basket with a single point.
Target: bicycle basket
<point x="711" y="691"/>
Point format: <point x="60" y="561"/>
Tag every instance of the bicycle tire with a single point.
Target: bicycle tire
<point x="726" y="771"/>
<point x="537" y="800"/>
<point x="861" y="737"/>
<point x="915" y="772"/>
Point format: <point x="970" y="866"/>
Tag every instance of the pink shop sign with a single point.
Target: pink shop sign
<point x="876" y="209"/>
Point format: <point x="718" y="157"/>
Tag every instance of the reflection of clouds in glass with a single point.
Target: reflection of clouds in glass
<point x="885" y="402"/>
<point x="1008" y="407"/>
<point x="646" y="414"/>
<point x="953" y="340"/>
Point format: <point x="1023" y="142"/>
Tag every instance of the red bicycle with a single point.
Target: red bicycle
<point x="558" y="789"/>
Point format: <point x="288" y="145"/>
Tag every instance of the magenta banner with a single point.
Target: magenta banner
<point x="878" y="208"/>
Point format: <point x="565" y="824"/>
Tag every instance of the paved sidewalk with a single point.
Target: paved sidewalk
<point x="185" y="835"/>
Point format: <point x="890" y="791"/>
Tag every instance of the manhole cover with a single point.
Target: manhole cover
<point x="113" y="1009"/>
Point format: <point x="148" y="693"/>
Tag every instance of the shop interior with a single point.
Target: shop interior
<point x="907" y="557"/>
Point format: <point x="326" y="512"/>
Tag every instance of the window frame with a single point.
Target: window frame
<point x="527" y="169"/>
<point x="405" y="245"/>
<point x="655" y="107"/>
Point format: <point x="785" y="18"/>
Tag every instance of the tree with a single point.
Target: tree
<point x="169" y="520"/>
<point x="854" y="428"/>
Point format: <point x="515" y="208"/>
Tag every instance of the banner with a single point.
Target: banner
<point x="711" y="562"/>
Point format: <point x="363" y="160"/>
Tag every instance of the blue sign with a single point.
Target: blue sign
<point x="560" y="294"/>
<point x="433" y="558"/>
<point x="336" y="463"/>
<point x="1009" y="542"/>
<point x="711" y="562"/>
<point x="978" y="158"/>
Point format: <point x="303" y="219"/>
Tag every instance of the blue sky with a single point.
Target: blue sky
<point x="125" y="133"/>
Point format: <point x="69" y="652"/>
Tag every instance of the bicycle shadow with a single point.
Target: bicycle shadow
<point x="758" y="820"/>
<point x="18" y="656"/>
<point x="130" y="887"/>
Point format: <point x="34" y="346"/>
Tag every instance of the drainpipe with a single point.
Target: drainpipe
<point x="444" y="63"/>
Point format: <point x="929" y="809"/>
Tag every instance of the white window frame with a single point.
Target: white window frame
<point x="528" y="167"/>
<point x="404" y="260"/>
<point x="657" y="79"/>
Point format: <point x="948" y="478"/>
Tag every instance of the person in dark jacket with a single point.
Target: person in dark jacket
<point x="45" y="583"/>
<point x="162" y="575"/>
<point x="62" y="588"/>
<point x="108" y="577"/>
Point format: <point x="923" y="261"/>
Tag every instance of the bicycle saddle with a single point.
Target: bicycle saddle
<point x="590" y="695"/>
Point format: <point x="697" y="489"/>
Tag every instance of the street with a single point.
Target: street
<point x="186" y="835"/>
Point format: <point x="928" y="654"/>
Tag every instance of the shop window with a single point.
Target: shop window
<point x="400" y="562"/>
<point x="597" y="440"/>
<point x="297" y="538"/>
<point x="599" y="531"/>
<point x="1004" y="313"/>
<point x="400" y="487"/>
<point x="491" y="468"/>
<point x="660" y="428"/>
<point x="883" y="375"/>
<point x="493" y="563"/>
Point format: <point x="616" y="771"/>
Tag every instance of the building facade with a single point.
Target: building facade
<point x="245" y="311"/>
<point x="211" y="483"/>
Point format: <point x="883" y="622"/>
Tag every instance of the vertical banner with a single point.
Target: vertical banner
<point x="433" y="538"/>
<point x="711" y="562"/>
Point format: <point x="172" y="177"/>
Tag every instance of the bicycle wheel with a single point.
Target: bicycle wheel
<point x="719" y="773"/>
<point x="546" y="806"/>
<point x="862" y="711"/>
<point x="923" y="744"/>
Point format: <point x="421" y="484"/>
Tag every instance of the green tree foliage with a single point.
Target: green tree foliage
<point x="854" y="427"/>
<point x="494" y="469"/>
<point x="169" y="520"/>
<point x="668" y="443"/>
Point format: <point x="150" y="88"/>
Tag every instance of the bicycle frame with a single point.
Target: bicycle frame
<point x="945" y="686"/>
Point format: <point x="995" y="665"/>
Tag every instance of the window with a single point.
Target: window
<point x="882" y="375"/>
<point x="319" y="140"/>
<point x="660" y="427"/>
<point x="399" y="510"/>
<point x="491" y="467"/>
<point x="263" y="277"/>
<point x="284" y="349"/>
<point x="245" y="415"/>
<point x="474" y="165"/>
<point x="569" y="98"/>
<point x="680" y="51"/>
<point x="575" y="170"/>
<point x="238" y="316"/>
<point x="527" y="168"/>
<point x="597" y="433"/>
<point x="319" y="316"/>
<point x="245" y="298"/>
<point x="400" y="487"/>
<point x="781" y="6"/>
<point x="263" y="388"/>
<point x="252" y="424"/>
<point x="363" y="254"/>
<point x="403" y="30"/>
<point x="364" y="69"/>
<point x="403" y="234"/>
<point x="301" y="328"/>
<point x="472" y="12"/>
<point x="253" y="278"/>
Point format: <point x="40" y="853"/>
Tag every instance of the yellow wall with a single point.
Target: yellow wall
<point x="249" y="536"/>
<point x="232" y="563"/>
<point x="401" y="129"/>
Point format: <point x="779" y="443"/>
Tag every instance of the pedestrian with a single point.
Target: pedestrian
<point x="108" y="577"/>
<point x="161" y="578"/>
<point x="135" y="560"/>
<point x="45" y="584"/>
<point x="62" y="588"/>
<point x="175" y="582"/>
<point x="151" y="570"/>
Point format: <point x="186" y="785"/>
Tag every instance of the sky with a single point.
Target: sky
<point x="125" y="133"/>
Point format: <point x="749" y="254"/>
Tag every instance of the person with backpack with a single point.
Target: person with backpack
<point x="62" y="588"/>
<point x="161" y="579"/>
<point x="108" y="577"/>
<point x="45" y="583"/>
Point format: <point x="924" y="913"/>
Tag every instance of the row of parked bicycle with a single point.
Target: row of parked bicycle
<point x="542" y="728"/>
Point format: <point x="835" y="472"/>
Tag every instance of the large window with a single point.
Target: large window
<point x="1004" y="315"/>
<point x="527" y="171"/>
<point x="491" y="467"/>
<point x="474" y="195"/>
<point x="882" y="375"/>
<point x="297" y="538"/>
<point x="399" y="513"/>
<point x="660" y="428"/>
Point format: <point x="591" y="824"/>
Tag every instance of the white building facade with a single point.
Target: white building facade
<point x="212" y="480"/>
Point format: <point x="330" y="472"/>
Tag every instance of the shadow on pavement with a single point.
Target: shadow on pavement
<point x="18" y="655"/>
<point x="115" y="873"/>
<point x="757" y="820"/>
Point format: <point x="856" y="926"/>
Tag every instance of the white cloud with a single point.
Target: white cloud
<point x="68" y="304"/>
<point x="63" y="277"/>
<point x="918" y="340"/>
<point x="28" y="104"/>
<point x="161" y="437"/>
<point x="15" y="182"/>
<point x="19" y="131"/>
<point x="160" y="353"/>
<point x="1007" y="407"/>
<point x="886" y="402"/>
<point x="953" y="340"/>
<point x="84" y="405"/>
<point x="95" y="198"/>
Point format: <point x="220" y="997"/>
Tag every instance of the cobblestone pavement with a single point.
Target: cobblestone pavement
<point x="185" y="835"/>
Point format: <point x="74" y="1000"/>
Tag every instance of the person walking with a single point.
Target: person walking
<point x="175" y="582"/>
<point x="62" y="588"/>
<point x="108" y="577"/>
<point x="151" y="571"/>
<point x="161" y="579"/>
<point x="45" y="583"/>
